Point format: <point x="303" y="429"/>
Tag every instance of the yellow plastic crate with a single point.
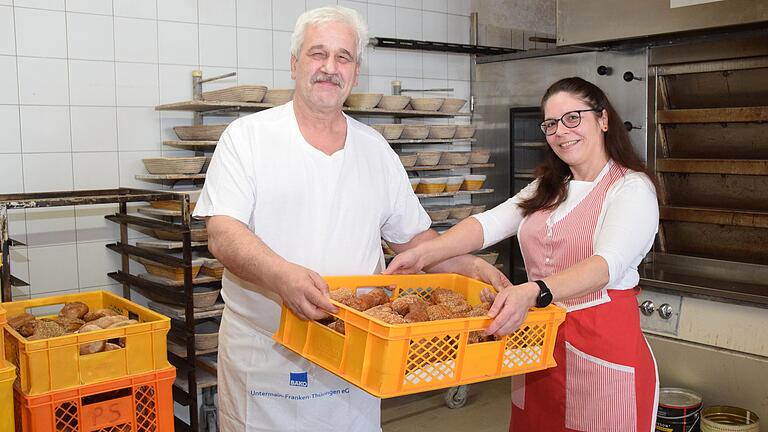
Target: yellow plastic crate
<point x="392" y="360"/>
<point x="7" y="377"/>
<point x="55" y="363"/>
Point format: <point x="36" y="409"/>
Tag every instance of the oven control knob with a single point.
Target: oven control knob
<point x="647" y="308"/>
<point x="629" y="126"/>
<point x="665" y="311"/>
<point x="629" y="77"/>
<point x="604" y="70"/>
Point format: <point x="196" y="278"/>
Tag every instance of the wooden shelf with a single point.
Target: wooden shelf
<point x="202" y="176"/>
<point x="713" y="115"/>
<point x="203" y="106"/>
<point x="201" y="279"/>
<point x="170" y="176"/>
<point x="447" y="167"/>
<point x="210" y="145"/>
<point x="153" y="211"/>
<point x="430" y="141"/>
<point x="181" y="350"/>
<point x="204" y="379"/>
<point x="177" y="312"/>
<point x="208" y="363"/>
<point x="457" y="193"/>
<point x="190" y="143"/>
<point x="714" y="166"/>
<point x="167" y="244"/>
<point x="717" y="216"/>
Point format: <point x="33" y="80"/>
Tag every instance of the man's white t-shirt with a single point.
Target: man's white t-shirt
<point x="326" y="213"/>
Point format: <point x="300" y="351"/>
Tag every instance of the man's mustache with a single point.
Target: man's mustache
<point x="324" y="77"/>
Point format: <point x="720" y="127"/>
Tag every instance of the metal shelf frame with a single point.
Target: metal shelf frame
<point x="120" y="196"/>
<point x="183" y="295"/>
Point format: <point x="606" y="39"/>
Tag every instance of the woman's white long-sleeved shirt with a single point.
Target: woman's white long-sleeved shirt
<point x="625" y="228"/>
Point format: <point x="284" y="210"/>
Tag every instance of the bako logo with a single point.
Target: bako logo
<point x="299" y="379"/>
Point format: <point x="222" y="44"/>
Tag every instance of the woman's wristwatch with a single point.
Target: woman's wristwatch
<point x="545" y="295"/>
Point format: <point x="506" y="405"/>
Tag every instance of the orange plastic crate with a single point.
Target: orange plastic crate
<point x="54" y="364"/>
<point x="392" y="360"/>
<point x="7" y="377"/>
<point x="138" y="403"/>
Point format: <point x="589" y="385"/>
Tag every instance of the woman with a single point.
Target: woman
<point x="583" y="225"/>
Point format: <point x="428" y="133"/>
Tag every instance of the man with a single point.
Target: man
<point x="294" y="192"/>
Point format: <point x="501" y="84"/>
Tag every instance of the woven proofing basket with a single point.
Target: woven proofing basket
<point x="442" y="131"/>
<point x="426" y="104"/>
<point x="415" y="131"/>
<point x="168" y="272"/>
<point x="363" y="100"/>
<point x="204" y="296"/>
<point x="174" y="165"/>
<point x="427" y="158"/>
<point x="198" y="234"/>
<point x="200" y="133"/>
<point x="452" y="105"/>
<point x="464" y="131"/>
<point x="389" y="131"/>
<point x="479" y="156"/>
<point x="478" y="209"/>
<point x="454" y="158"/>
<point x="437" y="214"/>
<point x="393" y="102"/>
<point x="278" y="96"/>
<point x="213" y="268"/>
<point x="460" y="212"/>
<point x="408" y="160"/>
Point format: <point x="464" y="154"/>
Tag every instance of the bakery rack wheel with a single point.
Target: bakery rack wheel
<point x="456" y="397"/>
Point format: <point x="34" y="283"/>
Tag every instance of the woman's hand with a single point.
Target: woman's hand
<point x="510" y="302"/>
<point x="510" y="308"/>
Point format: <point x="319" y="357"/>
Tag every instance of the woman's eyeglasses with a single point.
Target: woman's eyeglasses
<point x="571" y="119"/>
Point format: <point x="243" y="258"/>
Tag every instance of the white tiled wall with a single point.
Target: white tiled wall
<point x="79" y="80"/>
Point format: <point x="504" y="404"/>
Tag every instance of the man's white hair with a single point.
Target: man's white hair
<point x="330" y="14"/>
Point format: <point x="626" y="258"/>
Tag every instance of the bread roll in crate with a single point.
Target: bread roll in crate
<point x="390" y="350"/>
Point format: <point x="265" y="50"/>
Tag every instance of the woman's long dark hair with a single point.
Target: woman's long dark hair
<point x="553" y="173"/>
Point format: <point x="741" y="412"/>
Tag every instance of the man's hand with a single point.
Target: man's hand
<point x="304" y="292"/>
<point x="407" y="262"/>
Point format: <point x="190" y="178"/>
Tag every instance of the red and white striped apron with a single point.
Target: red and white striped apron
<point x="606" y="376"/>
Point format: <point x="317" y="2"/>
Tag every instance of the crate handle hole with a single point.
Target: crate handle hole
<point x="106" y="396"/>
<point x="100" y="346"/>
